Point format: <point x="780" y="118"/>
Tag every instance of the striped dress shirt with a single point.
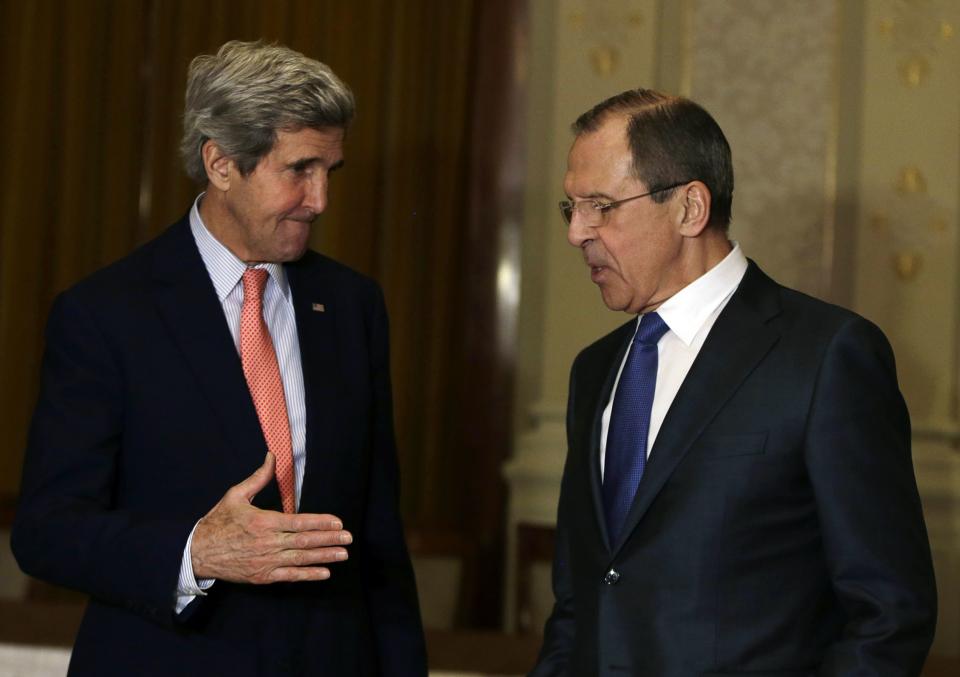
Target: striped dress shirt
<point x="226" y="273"/>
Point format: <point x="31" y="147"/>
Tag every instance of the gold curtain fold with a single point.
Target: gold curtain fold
<point x="91" y="122"/>
<point x="69" y="175"/>
<point x="89" y="129"/>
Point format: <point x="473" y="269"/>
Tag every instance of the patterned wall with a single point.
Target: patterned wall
<point x="907" y="247"/>
<point x="764" y="70"/>
<point x="909" y="190"/>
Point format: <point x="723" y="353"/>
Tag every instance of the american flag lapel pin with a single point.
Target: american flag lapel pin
<point x="318" y="308"/>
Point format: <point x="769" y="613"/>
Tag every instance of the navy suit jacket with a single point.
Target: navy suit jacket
<point x="144" y="421"/>
<point x="777" y="529"/>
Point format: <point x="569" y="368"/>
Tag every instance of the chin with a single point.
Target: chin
<point x="291" y="256"/>
<point x="614" y="301"/>
<point x="293" y="251"/>
<point x="616" y="304"/>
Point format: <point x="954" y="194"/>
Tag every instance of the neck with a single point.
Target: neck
<point x="218" y="220"/>
<point x="697" y="256"/>
<point x="705" y="251"/>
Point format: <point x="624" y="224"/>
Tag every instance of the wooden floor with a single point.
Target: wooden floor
<point x="55" y="624"/>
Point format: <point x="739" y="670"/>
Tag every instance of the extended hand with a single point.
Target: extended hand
<point x="238" y="542"/>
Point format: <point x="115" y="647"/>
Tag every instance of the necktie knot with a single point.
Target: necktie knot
<point x="254" y="280"/>
<point x="651" y="330"/>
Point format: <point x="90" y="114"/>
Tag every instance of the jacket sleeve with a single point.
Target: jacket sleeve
<point x="560" y="629"/>
<point x="387" y="572"/>
<point x="68" y="528"/>
<point x="859" y="461"/>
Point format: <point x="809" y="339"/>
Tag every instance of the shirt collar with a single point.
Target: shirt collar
<point x="224" y="268"/>
<point x="686" y="311"/>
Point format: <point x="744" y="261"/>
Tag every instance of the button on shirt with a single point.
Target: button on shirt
<point x="690" y="315"/>
<point x="226" y="273"/>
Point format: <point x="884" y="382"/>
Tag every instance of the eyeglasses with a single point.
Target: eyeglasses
<point x="593" y="211"/>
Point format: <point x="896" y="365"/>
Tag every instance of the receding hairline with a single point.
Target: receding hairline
<point x="596" y="117"/>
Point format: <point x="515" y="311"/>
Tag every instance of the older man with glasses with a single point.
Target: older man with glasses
<point x="738" y="496"/>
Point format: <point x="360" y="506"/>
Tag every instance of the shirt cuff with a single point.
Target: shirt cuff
<point x="188" y="587"/>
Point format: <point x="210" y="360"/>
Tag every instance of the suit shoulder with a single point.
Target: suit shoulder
<point x="347" y="281"/>
<point x="123" y="277"/>
<point x="816" y="316"/>
<point x="320" y="263"/>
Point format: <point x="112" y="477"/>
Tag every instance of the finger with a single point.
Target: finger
<point x="311" y="522"/>
<point x="252" y="486"/>
<point x="307" y="540"/>
<point x="308" y="558"/>
<point x="291" y="574"/>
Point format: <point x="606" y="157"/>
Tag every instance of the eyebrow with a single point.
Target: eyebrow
<point x="595" y="196"/>
<point x="304" y="162"/>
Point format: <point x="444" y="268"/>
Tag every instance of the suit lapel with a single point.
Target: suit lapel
<point x="737" y="342"/>
<point x="611" y="363"/>
<point x="191" y="311"/>
<point x="316" y="307"/>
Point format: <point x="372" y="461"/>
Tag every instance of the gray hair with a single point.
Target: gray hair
<point x="241" y="97"/>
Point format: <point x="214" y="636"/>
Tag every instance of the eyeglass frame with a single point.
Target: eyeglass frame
<point x="569" y="206"/>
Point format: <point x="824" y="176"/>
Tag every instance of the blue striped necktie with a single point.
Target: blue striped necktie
<point x="626" y="452"/>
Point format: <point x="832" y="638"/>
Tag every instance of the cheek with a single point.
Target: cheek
<point x="623" y="253"/>
<point x="636" y="263"/>
<point x="289" y="200"/>
<point x="276" y="197"/>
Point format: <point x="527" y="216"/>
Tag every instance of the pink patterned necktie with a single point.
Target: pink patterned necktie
<point x="263" y="378"/>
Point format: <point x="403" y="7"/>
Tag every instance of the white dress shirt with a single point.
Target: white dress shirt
<point x="690" y="315"/>
<point x="226" y="273"/>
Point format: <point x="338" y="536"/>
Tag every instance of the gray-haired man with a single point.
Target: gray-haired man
<point x="212" y="456"/>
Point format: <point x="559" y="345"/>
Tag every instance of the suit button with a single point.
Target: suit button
<point x="611" y="577"/>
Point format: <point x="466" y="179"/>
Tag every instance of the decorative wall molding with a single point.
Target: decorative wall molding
<point x="606" y="29"/>
<point x="916" y="31"/>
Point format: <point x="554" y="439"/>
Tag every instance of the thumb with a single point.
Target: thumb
<point x="260" y="478"/>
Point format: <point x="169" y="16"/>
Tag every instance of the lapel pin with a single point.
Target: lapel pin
<point x="318" y="308"/>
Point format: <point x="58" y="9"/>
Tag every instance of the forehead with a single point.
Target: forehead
<point x="600" y="162"/>
<point x="324" y="143"/>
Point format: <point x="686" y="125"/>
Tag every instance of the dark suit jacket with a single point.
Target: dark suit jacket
<point x="143" y="423"/>
<point x="777" y="529"/>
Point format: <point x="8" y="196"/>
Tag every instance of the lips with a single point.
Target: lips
<point x="303" y="216"/>
<point x="594" y="263"/>
<point x="593" y="257"/>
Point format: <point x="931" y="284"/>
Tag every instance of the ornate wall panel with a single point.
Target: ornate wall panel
<point x="764" y="70"/>
<point x="907" y="248"/>
<point x="909" y="196"/>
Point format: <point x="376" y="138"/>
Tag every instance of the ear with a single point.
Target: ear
<point x="217" y="165"/>
<point x="695" y="200"/>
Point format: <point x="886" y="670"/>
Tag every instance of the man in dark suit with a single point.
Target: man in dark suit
<point x="212" y="456"/>
<point x="738" y="495"/>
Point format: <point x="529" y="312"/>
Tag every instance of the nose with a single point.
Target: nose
<point x="315" y="196"/>
<point x="578" y="232"/>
